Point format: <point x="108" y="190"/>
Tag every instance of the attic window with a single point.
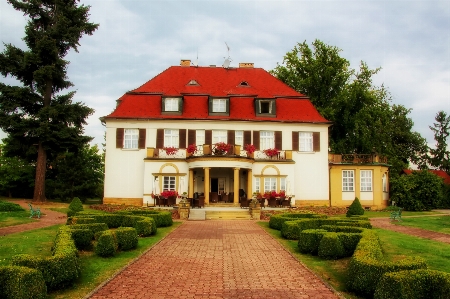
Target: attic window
<point x="172" y="105"/>
<point x="244" y="84"/>
<point x="193" y="83"/>
<point x="265" y="107"/>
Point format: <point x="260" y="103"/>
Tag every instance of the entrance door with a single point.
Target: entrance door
<point x="214" y="185"/>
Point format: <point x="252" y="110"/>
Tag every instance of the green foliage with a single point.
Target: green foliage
<point x="162" y="218"/>
<point x="330" y="247"/>
<point x="60" y="270"/>
<point x="146" y="227"/>
<point x="276" y="221"/>
<point x="21" y="282"/>
<point x="6" y="206"/>
<point x="355" y="208"/>
<point x="36" y="113"/>
<point x="76" y="205"/>
<point x="127" y="238"/>
<point x="83" y="238"/>
<point x="309" y="240"/>
<point x="414" y="284"/>
<point x="419" y="191"/>
<point x="94" y="227"/>
<point x="440" y="155"/>
<point x="106" y="245"/>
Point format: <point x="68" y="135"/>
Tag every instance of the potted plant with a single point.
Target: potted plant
<point x="167" y="193"/>
<point x="221" y="148"/>
<point x="271" y="152"/>
<point x="191" y="150"/>
<point x="170" y="150"/>
<point x="250" y="149"/>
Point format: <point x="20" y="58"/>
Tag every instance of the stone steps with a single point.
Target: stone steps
<point x="197" y="214"/>
<point x="228" y="215"/>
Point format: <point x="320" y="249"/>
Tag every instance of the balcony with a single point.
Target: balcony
<point x="212" y="151"/>
<point x="356" y="159"/>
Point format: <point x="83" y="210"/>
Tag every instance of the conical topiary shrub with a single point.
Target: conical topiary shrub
<point x="355" y="208"/>
<point x="74" y="207"/>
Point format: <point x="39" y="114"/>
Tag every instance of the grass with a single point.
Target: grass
<point x="375" y="214"/>
<point x="15" y="218"/>
<point x="437" y="224"/>
<point x="35" y="242"/>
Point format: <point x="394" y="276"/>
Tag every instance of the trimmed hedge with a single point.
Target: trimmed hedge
<point x="162" y="218"/>
<point x="310" y="239"/>
<point x="6" y="206"/>
<point x="83" y="238"/>
<point x="330" y="247"/>
<point x="276" y="221"/>
<point x="94" y="227"/>
<point x="355" y="208"/>
<point x="414" y="284"/>
<point x="60" y="270"/>
<point x="127" y="238"/>
<point x="21" y="282"/>
<point x="367" y="265"/>
<point x="107" y="244"/>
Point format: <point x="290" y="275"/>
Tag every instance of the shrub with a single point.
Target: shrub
<point x="276" y="221"/>
<point x="162" y="218"/>
<point x="76" y="205"/>
<point x="21" y="282"/>
<point x="127" y="238"/>
<point x="83" y="238"/>
<point x="414" y="284"/>
<point x="355" y="208"/>
<point x="146" y="227"/>
<point x="106" y="245"/>
<point x="6" y="206"/>
<point x="59" y="270"/>
<point x="309" y="240"/>
<point x="94" y="227"/>
<point x="330" y="247"/>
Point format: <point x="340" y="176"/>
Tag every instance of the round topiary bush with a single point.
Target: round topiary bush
<point x="76" y="205"/>
<point x="355" y="208"/>
<point x="106" y="245"/>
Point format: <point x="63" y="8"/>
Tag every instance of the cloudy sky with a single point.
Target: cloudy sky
<point x="137" y="39"/>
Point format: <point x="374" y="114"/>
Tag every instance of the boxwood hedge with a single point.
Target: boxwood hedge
<point x="276" y="221"/>
<point x="21" y="282"/>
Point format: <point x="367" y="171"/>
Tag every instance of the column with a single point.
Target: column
<point x="191" y="183"/>
<point x="236" y="186"/>
<point x="249" y="183"/>
<point x="206" y="185"/>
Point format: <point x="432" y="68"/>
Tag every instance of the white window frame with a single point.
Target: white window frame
<point x="199" y="137"/>
<point x="171" y="138"/>
<point x="269" y="102"/>
<point x="169" y="183"/>
<point x="239" y="138"/>
<point x="219" y="105"/>
<point x="171" y="104"/>
<point x="305" y="141"/>
<point x="266" y="139"/>
<point x="384" y="182"/>
<point x="257" y="187"/>
<point x="365" y="179"/>
<point x="270" y="184"/>
<point x="219" y="136"/>
<point x="283" y="185"/>
<point x="348" y="180"/>
<point x="130" y="138"/>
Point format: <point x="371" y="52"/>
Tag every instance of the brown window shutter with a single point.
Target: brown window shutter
<point x="230" y="137"/>
<point x="316" y="141"/>
<point x="159" y="138"/>
<point x="141" y="142"/>
<point x="119" y="137"/>
<point x="247" y="137"/>
<point x="295" y="141"/>
<point x="182" y="138"/>
<point x="279" y="140"/>
<point x="192" y="136"/>
<point x="256" y="139"/>
<point x="208" y="137"/>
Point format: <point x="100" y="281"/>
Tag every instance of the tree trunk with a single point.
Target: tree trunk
<point x="39" y="183"/>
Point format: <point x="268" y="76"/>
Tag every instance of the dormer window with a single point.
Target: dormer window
<point x="265" y="107"/>
<point x="172" y="105"/>
<point x="219" y="106"/>
<point x="193" y="83"/>
<point x="244" y="84"/>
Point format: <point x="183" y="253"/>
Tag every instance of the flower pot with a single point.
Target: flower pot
<point x="206" y="149"/>
<point x="150" y="152"/>
<point x="237" y="150"/>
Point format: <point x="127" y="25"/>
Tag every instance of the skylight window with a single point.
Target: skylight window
<point x="193" y="83"/>
<point x="244" y="84"/>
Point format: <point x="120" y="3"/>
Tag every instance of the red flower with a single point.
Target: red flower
<point x="270" y="152"/>
<point x="221" y="147"/>
<point x="191" y="149"/>
<point x="168" y="193"/>
<point x="250" y="148"/>
<point x="170" y="150"/>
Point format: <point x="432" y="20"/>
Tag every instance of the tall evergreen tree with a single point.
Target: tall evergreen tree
<point x="36" y="117"/>
<point x="440" y="155"/>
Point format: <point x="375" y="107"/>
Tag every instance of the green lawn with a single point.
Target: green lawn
<point x="375" y="214"/>
<point x="15" y="218"/>
<point x="438" y="224"/>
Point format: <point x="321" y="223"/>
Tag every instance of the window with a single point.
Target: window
<point x="366" y="180"/>
<point x="219" y="136"/>
<point x="306" y="141"/>
<point x="169" y="183"/>
<point x="266" y="139"/>
<point x="199" y="137"/>
<point x="270" y="184"/>
<point x="265" y="107"/>
<point x="239" y="138"/>
<point x="130" y="138"/>
<point x="171" y="104"/>
<point x="171" y="138"/>
<point x="348" y="177"/>
<point x="219" y="106"/>
<point x="283" y="184"/>
<point x="257" y="188"/>
<point x="384" y="182"/>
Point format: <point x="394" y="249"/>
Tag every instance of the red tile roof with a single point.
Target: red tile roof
<point x="145" y="101"/>
<point x="439" y="173"/>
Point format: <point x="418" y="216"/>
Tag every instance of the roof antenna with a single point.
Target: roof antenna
<point x="195" y="63"/>
<point x="226" y="63"/>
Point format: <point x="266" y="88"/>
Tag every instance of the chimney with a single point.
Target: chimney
<point x="185" y="62"/>
<point x="247" y="65"/>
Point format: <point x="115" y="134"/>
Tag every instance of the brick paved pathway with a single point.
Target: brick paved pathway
<point x="216" y="259"/>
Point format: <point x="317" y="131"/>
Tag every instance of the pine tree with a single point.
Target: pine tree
<point x="355" y="208"/>
<point x="36" y="117"/>
<point x="440" y="156"/>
